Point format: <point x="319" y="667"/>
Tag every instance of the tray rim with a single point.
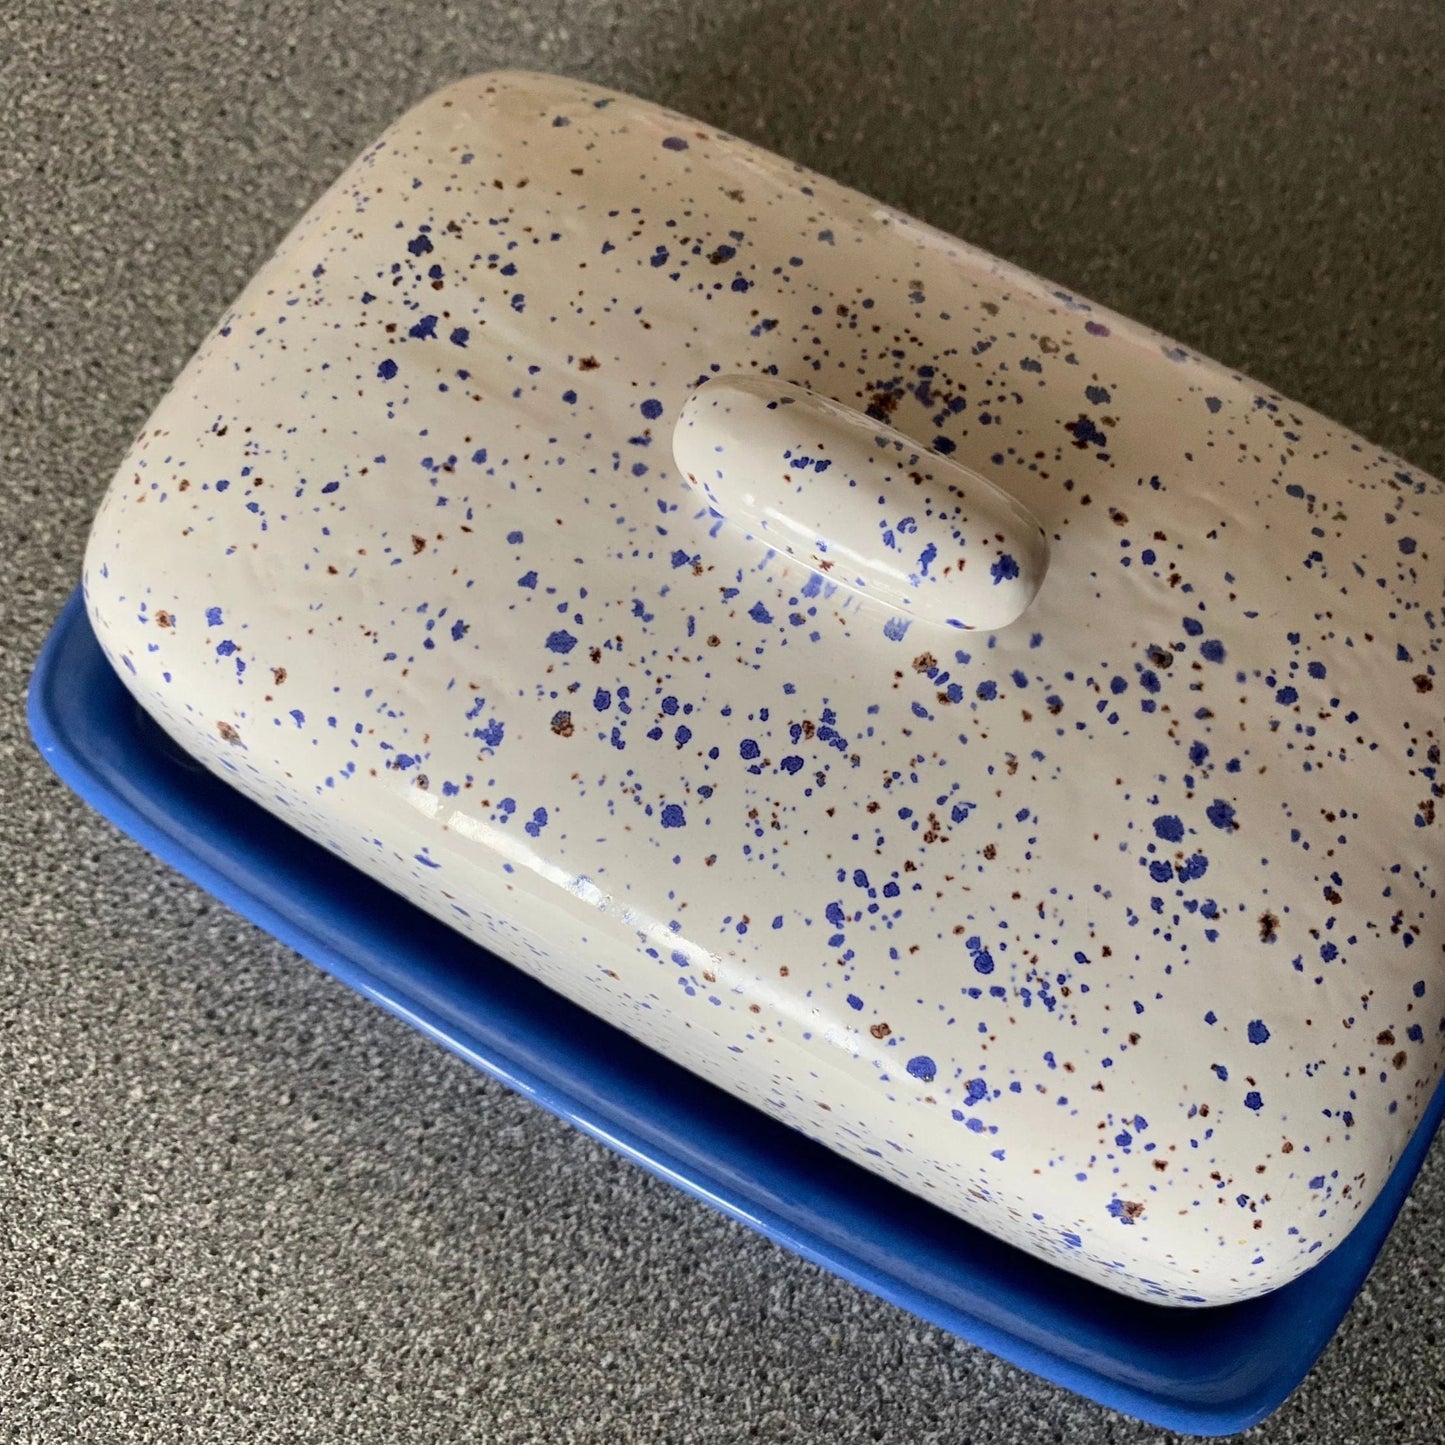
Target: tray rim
<point x="1216" y="1370"/>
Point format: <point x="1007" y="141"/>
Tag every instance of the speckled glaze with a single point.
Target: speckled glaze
<point x="1112" y="930"/>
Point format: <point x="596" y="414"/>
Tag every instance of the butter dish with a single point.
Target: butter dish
<point x="963" y="725"/>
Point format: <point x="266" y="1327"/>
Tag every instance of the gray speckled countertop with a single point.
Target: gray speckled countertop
<point x="237" y="1203"/>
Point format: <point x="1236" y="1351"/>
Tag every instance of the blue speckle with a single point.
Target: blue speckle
<point x="1258" y="1032"/>
<point x="1193" y="867"/>
<point x="1170" y="828"/>
<point x="561" y="642"/>
<point x="1220" y="813"/>
<point x="1004" y="570"/>
<point x="922" y="1067"/>
<point x="386" y="371"/>
<point x="651" y="408"/>
<point x="1120" y="1210"/>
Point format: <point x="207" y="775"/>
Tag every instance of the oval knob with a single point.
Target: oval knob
<point x="860" y="503"/>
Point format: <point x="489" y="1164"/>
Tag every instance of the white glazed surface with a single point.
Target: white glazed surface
<point x="1112" y="931"/>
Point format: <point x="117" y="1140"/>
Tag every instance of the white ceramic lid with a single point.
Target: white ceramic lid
<point x="1095" y="903"/>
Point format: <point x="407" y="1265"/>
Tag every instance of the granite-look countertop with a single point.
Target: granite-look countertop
<point x="238" y="1203"/>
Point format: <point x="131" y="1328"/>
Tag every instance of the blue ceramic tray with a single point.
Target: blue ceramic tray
<point x="1208" y="1371"/>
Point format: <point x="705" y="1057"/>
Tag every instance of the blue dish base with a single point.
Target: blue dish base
<point x="1205" y="1371"/>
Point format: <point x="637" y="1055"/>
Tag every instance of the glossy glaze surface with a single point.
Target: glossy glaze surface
<point x="1112" y="930"/>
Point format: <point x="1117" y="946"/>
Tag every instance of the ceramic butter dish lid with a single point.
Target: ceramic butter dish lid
<point x="946" y="715"/>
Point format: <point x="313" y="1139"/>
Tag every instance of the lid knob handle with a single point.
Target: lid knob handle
<point x="859" y="503"/>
